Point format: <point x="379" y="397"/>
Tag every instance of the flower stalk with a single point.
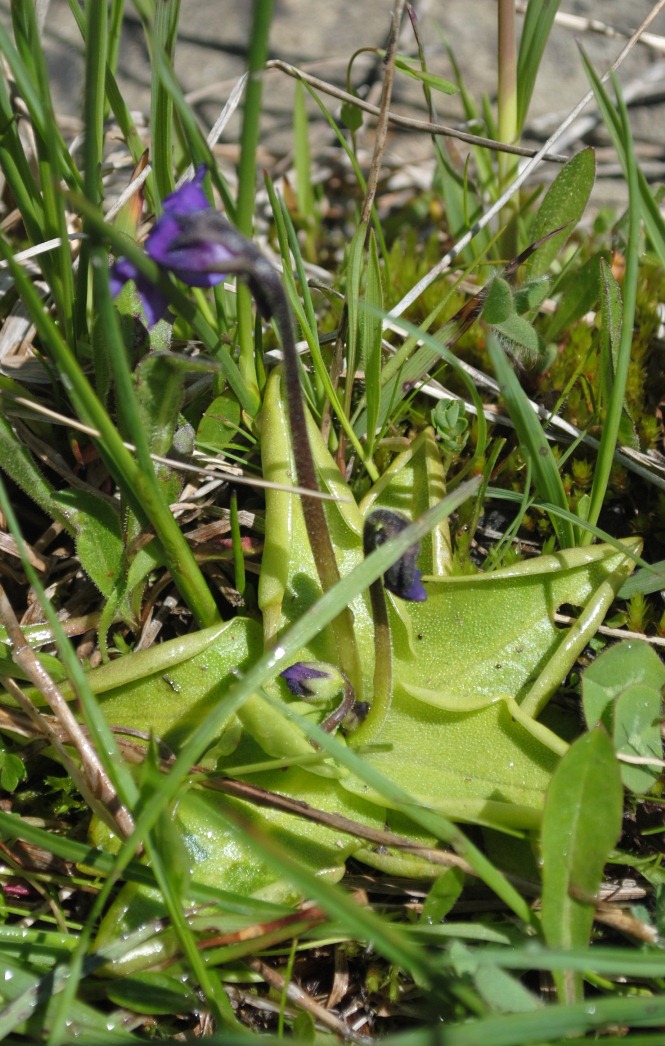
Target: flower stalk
<point x="403" y="580"/>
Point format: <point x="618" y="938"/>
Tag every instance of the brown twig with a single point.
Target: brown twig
<point x="384" y="109"/>
<point x="306" y="1002"/>
<point x="407" y="121"/>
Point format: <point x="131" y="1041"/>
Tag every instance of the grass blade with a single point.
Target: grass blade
<point x="538" y="22"/>
<point x="581" y="824"/>
<point x="615" y="406"/>
<point x="533" y="443"/>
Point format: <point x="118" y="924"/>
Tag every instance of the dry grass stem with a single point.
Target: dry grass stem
<point x="91" y="779"/>
<point x="408" y="122"/>
<point x="384" y="107"/>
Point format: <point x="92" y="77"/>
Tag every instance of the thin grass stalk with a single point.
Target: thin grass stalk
<point x="94" y="96"/>
<point x="536" y="28"/>
<point x="162" y="34"/>
<point x="251" y="123"/>
<point x="53" y="160"/>
<point x="238" y="554"/>
<point x="208" y="979"/>
<point x="28" y="67"/>
<point x="199" y="151"/>
<point x="612" y="420"/>
<point x="116" y="16"/>
<point x="16" y="169"/>
<point x="507" y="122"/>
<point x="75" y="968"/>
<point x="179" y="557"/>
<point x="303" y="166"/>
<point x="115" y="101"/>
<point x="288" y="241"/>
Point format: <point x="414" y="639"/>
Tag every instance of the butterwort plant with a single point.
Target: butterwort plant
<point x="196" y="244"/>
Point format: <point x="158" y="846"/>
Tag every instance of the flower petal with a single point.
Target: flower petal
<point x="121" y="271"/>
<point x="153" y="301"/>
<point x="155" y="304"/>
<point x="191" y="247"/>
<point x="416" y="591"/>
<point x="189" y="198"/>
<point x="297" y="676"/>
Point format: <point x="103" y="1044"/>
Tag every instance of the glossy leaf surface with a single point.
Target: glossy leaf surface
<point x="454" y="738"/>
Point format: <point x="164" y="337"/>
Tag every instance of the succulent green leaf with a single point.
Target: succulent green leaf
<point x="530" y="295"/>
<point x="578" y="293"/>
<point x="220" y="423"/>
<point x="351" y="116"/>
<point x="518" y="334"/>
<point x="443" y="894"/>
<point x="637" y="715"/>
<point x="17" y="462"/>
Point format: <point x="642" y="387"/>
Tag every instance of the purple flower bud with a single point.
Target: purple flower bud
<point x="415" y="591"/>
<point x="313" y="679"/>
<point x="403" y="577"/>
<point x="320" y="682"/>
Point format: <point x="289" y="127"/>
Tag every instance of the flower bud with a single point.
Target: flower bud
<point x="403" y="577"/>
<point x="313" y="680"/>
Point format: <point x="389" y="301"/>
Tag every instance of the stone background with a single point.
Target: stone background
<point x="321" y="35"/>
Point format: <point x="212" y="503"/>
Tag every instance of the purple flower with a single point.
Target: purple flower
<point x="187" y="239"/>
